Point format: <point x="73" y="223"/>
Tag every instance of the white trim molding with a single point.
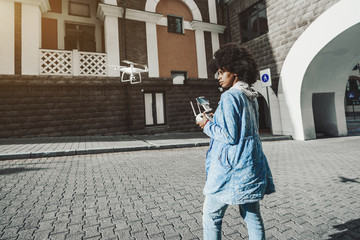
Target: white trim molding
<point x="131" y="14"/>
<point x="209" y="27"/>
<point x="109" y="10"/>
<point x="150" y="6"/>
<point x="7" y="40"/>
<point x="43" y="4"/>
<point x="143" y="16"/>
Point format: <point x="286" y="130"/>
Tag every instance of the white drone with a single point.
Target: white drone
<point x="131" y="72"/>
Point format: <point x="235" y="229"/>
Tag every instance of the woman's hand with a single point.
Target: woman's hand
<point x="203" y="121"/>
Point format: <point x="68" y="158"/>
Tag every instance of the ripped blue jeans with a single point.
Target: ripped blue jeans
<point x="214" y="212"/>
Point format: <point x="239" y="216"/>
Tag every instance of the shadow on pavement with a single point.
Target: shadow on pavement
<point x="349" y="230"/>
<point x="8" y="171"/>
<point x="345" y="180"/>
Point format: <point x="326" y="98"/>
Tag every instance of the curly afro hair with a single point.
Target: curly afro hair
<point x="236" y="59"/>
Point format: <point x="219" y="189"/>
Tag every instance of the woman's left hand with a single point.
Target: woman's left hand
<point x="203" y="121"/>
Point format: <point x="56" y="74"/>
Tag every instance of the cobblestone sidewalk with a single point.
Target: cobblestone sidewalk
<point x="158" y="194"/>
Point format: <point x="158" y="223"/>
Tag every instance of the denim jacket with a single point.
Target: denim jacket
<point x="237" y="170"/>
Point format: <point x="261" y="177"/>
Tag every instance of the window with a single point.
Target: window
<point x="175" y="24"/>
<point x="178" y="77"/>
<point x="81" y="37"/>
<point x="253" y="22"/>
<point x="79" y="9"/>
<point x="154" y="109"/>
<point x="352" y="93"/>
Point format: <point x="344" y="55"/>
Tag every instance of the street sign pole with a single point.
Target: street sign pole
<point x="265" y="77"/>
<point x="268" y="99"/>
<point x="351" y="96"/>
<point x="353" y="109"/>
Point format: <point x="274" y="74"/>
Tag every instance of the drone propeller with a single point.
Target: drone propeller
<point x="116" y="67"/>
<point x="135" y="64"/>
<point x="127" y="62"/>
<point x="142" y="65"/>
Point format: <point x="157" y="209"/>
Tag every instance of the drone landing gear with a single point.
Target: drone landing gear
<point x="132" y="78"/>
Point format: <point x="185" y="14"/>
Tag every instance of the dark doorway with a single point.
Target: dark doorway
<point x="323" y="105"/>
<point x="264" y="116"/>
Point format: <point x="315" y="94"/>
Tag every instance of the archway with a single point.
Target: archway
<point x="315" y="73"/>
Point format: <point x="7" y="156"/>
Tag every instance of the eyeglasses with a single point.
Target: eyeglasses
<point x="219" y="73"/>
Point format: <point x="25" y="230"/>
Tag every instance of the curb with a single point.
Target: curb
<point x="95" y="151"/>
<point x="116" y="149"/>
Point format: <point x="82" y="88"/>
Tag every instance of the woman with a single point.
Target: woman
<point x="237" y="171"/>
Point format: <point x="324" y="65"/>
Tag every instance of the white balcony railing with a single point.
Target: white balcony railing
<point x="59" y="62"/>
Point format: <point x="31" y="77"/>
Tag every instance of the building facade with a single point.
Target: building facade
<point x="57" y="72"/>
<point x="57" y="57"/>
<point x="311" y="48"/>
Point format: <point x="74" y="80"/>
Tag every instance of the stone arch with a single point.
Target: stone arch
<point x="150" y="6"/>
<point x="318" y="63"/>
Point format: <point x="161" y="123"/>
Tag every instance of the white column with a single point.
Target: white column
<point x="61" y="24"/>
<point x="75" y="63"/>
<point x="152" y="49"/>
<point x="200" y="27"/>
<point x="200" y="54"/>
<point x="111" y="31"/>
<point x="7" y="39"/>
<point x="215" y="43"/>
<point x="30" y="39"/>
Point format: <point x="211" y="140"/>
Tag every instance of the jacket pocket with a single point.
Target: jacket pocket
<point x="224" y="157"/>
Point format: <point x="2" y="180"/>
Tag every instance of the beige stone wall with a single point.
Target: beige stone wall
<point x="287" y="20"/>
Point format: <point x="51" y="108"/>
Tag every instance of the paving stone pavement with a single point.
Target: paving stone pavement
<point x="158" y="194"/>
<point x="36" y="147"/>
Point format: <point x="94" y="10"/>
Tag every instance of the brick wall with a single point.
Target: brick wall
<point x="69" y="106"/>
<point x="287" y="20"/>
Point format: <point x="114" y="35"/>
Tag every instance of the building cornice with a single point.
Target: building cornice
<point x="131" y="14"/>
<point x="108" y="10"/>
<point x="209" y="27"/>
<point x="143" y="16"/>
<point x="150" y="17"/>
<point x="43" y="4"/>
